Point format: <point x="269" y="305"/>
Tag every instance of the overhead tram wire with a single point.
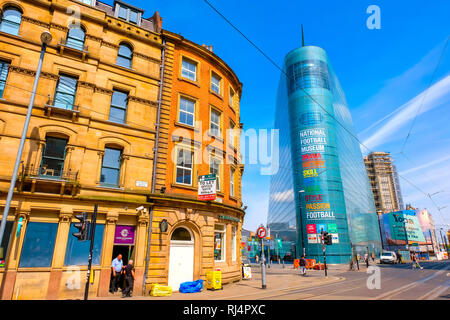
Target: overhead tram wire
<point x="425" y="95"/>
<point x="306" y="93"/>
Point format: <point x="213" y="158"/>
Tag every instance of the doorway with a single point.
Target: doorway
<point x="126" y="251"/>
<point x="181" y="258"/>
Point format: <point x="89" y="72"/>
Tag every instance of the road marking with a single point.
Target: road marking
<point x="407" y="287"/>
<point x="348" y="289"/>
<point x="301" y="288"/>
<point x="436" y="292"/>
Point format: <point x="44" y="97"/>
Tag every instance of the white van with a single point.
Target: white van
<point x="388" y="257"/>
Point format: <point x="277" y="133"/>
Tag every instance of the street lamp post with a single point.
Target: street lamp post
<point x="46" y="38"/>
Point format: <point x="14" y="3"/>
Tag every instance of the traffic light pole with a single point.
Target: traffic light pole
<point x="263" y="265"/>
<point x="324" y="248"/>
<point x="91" y="249"/>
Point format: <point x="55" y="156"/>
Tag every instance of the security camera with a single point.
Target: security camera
<point x="140" y="208"/>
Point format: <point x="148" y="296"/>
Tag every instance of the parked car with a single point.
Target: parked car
<point x="388" y="257"/>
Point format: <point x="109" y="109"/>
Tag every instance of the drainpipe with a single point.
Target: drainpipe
<point x="155" y="161"/>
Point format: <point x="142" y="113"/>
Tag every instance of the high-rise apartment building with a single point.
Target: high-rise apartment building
<point x="384" y="181"/>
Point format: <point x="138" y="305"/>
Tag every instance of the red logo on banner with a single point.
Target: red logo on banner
<point x="311" y="228"/>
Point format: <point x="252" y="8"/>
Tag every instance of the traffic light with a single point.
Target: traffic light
<point x="327" y="239"/>
<point x="82" y="226"/>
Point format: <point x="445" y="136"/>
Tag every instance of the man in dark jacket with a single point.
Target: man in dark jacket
<point x="303" y="266"/>
<point x="129" y="279"/>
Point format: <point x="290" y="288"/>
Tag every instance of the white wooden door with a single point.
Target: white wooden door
<point x="181" y="263"/>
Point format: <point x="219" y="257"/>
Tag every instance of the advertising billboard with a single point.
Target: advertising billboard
<point x="399" y="227"/>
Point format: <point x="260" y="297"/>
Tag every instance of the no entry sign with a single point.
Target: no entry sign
<point x="261" y="232"/>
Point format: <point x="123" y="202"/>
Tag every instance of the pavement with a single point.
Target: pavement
<point x="395" y="282"/>
<point x="278" y="280"/>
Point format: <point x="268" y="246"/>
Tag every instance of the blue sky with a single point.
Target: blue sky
<point x="384" y="74"/>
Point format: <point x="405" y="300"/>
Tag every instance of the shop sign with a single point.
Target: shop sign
<point x="230" y="218"/>
<point x="124" y="235"/>
<point x="207" y="187"/>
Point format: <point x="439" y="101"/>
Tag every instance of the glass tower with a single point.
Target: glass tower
<point x="322" y="182"/>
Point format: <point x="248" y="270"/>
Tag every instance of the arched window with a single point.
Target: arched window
<point x="181" y="234"/>
<point x="125" y="56"/>
<point x="75" y="38"/>
<point x="11" y="20"/>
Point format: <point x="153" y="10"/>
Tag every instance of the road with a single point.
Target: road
<point x="397" y="282"/>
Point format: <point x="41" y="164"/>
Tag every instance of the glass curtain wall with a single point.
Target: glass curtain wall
<point x="322" y="182"/>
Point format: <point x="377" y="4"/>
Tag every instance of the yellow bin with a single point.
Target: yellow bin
<point x="214" y="280"/>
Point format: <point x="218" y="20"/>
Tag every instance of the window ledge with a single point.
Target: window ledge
<point x="125" y="125"/>
<point x="110" y="188"/>
<point x="183" y="186"/>
<point x="215" y="137"/>
<point x="195" y="83"/>
<point x="218" y="95"/>
<point x="234" y="198"/>
<point x="186" y="126"/>
<point x="232" y="109"/>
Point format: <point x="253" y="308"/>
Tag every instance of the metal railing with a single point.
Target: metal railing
<point x="60" y="105"/>
<point x="84" y="49"/>
<point x="44" y="172"/>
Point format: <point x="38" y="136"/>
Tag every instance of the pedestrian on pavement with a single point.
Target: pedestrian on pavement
<point x="366" y="259"/>
<point x="257" y="258"/>
<point x="116" y="270"/>
<point x="415" y="262"/>
<point x="129" y="278"/>
<point x="399" y="257"/>
<point x="303" y="265"/>
<point x="373" y="257"/>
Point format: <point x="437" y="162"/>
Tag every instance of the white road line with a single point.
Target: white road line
<point x="404" y="288"/>
<point x="436" y="292"/>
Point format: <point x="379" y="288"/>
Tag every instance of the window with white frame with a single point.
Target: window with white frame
<point x="233" y="243"/>
<point x="187" y="111"/>
<point x="231" y="97"/>
<point x="215" y="83"/>
<point x="214" y="168"/>
<point x="219" y="242"/>
<point x="128" y="14"/>
<point x="231" y="133"/>
<point x="184" y="166"/>
<point x="215" y="122"/>
<point x="232" y="171"/>
<point x="89" y="2"/>
<point x="189" y="69"/>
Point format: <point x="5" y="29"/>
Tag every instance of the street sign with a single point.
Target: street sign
<point x="261" y="232"/>
<point x="207" y="187"/>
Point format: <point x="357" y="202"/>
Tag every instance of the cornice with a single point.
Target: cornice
<point x="36" y="22"/>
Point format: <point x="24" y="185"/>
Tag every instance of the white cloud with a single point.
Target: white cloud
<point x="435" y="96"/>
<point x="427" y="165"/>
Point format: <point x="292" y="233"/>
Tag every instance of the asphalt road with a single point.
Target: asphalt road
<point x="396" y="282"/>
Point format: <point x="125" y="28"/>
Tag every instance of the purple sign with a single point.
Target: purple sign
<point x="124" y="235"/>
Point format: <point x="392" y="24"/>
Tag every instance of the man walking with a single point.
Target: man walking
<point x="303" y="266"/>
<point x="129" y="279"/>
<point x="116" y="269"/>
